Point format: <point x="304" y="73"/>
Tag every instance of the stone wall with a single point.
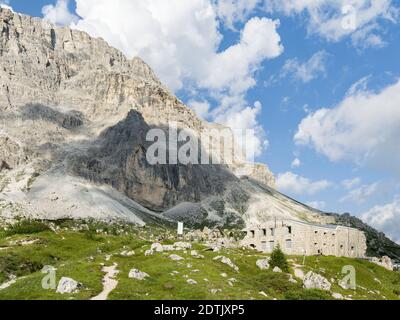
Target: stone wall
<point x="299" y="238"/>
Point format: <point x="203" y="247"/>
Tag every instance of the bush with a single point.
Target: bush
<point x="278" y="259"/>
<point x="310" y="294"/>
<point x="27" y="227"/>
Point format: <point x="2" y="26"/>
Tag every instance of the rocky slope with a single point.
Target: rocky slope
<point x="75" y="113"/>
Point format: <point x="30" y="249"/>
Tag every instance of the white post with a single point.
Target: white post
<point x="180" y="229"/>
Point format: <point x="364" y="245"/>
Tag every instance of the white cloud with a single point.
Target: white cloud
<point x="336" y="19"/>
<point x="296" y="163"/>
<point x="307" y="71"/>
<point x="351" y="183"/>
<point x="233" y="11"/>
<point x="364" y="128"/>
<point x="59" y="13"/>
<point x="385" y="218"/>
<point x="319" y="205"/>
<point x="202" y="108"/>
<point x="294" y="184"/>
<point x="361" y="194"/>
<point x="244" y="124"/>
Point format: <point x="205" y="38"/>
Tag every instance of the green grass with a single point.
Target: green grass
<point x="77" y="250"/>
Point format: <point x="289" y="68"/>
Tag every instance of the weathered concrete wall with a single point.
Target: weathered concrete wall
<point x="299" y="238"/>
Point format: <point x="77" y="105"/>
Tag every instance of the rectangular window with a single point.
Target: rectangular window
<point x="263" y="246"/>
<point x="289" y="230"/>
<point x="272" y="232"/>
<point x="264" y="231"/>
<point x="272" y="245"/>
<point x="252" y="233"/>
<point x="289" y="244"/>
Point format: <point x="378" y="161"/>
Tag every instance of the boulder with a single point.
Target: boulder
<point x="138" y="275"/>
<point x="263" y="264"/>
<point x="175" y="257"/>
<point x="68" y="285"/>
<point x="157" y="247"/>
<point x="183" y="245"/>
<point x="228" y="262"/>
<point x="313" y="280"/>
<point x="191" y="281"/>
<point x="148" y="252"/>
<point x="277" y="269"/>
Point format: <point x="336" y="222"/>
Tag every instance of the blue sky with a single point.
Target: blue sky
<point x="349" y="157"/>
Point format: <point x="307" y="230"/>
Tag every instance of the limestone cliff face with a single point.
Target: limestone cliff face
<point x="75" y="112"/>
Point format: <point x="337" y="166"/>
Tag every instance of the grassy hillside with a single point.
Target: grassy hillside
<point x="80" y="250"/>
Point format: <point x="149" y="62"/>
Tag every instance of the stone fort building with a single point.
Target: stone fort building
<point x="302" y="238"/>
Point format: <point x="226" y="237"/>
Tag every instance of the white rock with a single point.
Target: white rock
<point x="316" y="281"/>
<point x="183" y="245"/>
<point x="337" y="296"/>
<point x="138" y="275"/>
<point x="228" y="262"/>
<point x="215" y="291"/>
<point x="127" y="253"/>
<point x="298" y="273"/>
<point x="263" y="264"/>
<point x="170" y="247"/>
<point x="277" y="269"/>
<point x="148" y="252"/>
<point x="157" y="247"/>
<point x="68" y="285"/>
<point x="191" y="281"/>
<point x="175" y="257"/>
<point x="291" y="279"/>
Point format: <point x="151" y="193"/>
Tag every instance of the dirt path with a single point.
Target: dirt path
<point x="109" y="283"/>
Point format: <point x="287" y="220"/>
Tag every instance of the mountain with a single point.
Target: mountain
<point x="75" y="113"/>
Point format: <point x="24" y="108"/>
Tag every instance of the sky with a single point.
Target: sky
<point x="316" y="83"/>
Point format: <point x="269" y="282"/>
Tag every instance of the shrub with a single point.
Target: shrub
<point x="310" y="294"/>
<point x="278" y="259"/>
<point x="27" y="227"/>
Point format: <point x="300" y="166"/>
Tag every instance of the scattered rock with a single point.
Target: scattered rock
<point x="385" y="262"/>
<point x="277" y="269"/>
<point x="316" y="281"/>
<point x="263" y="264"/>
<point x="148" y="252"/>
<point x="157" y="247"/>
<point x="224" y="275"/>
<point x="175" y="257"/>
<point x="127" y="253"/>
<point x="298" y="273"/>
<point x="215" y="291"/>
<point x="183" y="245"/>
<point x="191" y="281"/>
<point x="337" y="296"/>
<point x="228" y="262"/>
<point x="68" y="285"/>
<point x="138" y="275"/>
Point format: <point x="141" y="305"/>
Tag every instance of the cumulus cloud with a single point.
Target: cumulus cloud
<point x="363" y="128"/>
<point x="386" y="218"/>
<point x="202" y="108"/>
<point x="59" y="13"/>
<point x="335" y="20"/>
<point x="361" y="194"/>
<point x="294" y="184"/>
<point x="233" y="11"/>
<point x="296" y="163"/>
<point x="308" y="70"/>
